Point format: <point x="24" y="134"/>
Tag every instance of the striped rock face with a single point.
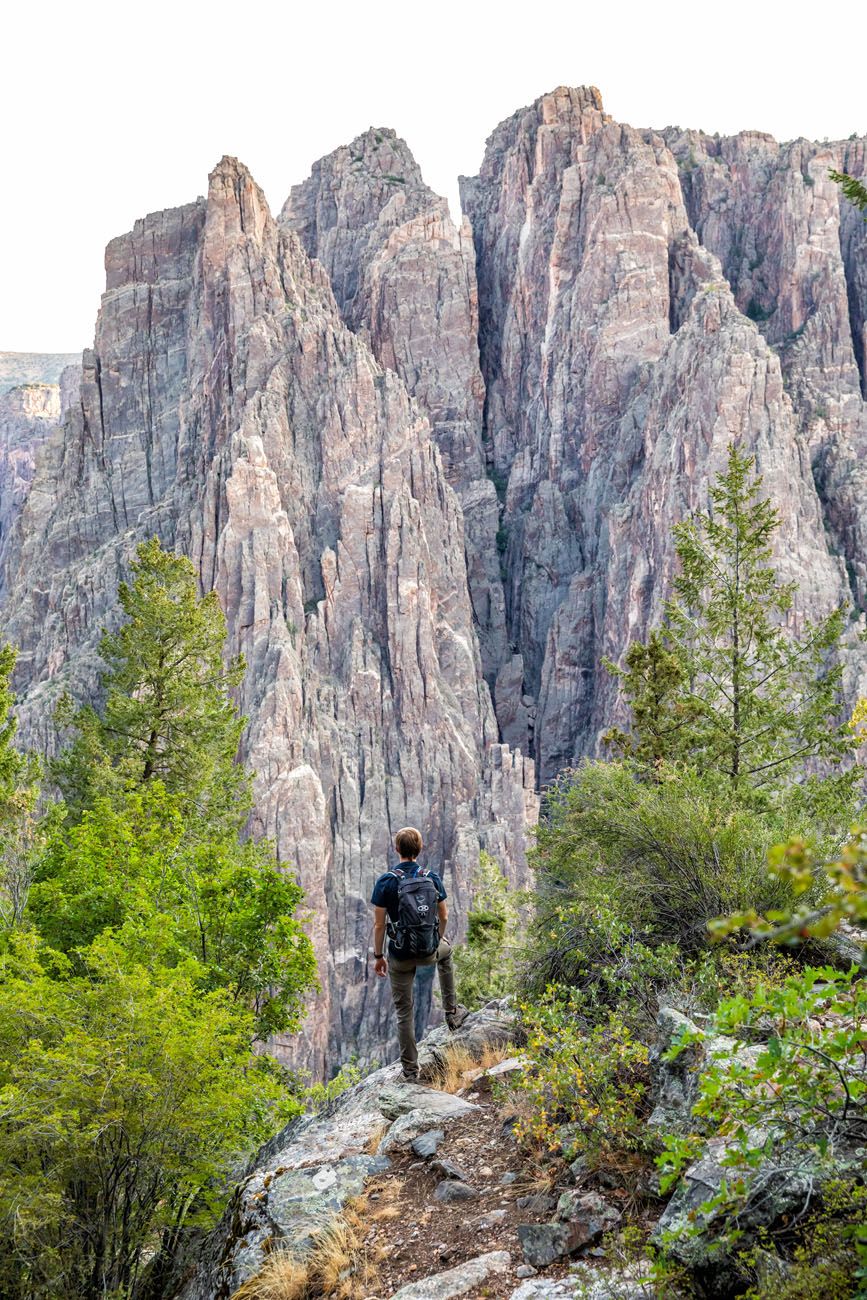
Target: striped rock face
<point x="432" y="468"/>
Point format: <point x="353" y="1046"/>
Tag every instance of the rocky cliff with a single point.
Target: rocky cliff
<point x="228" y="409"/>
<point x="31" y="411"/>
<point x="419" y="460"/>
<point x="404" y="277"/>
<point x="22" y="368"/>
<point x="619" y="360"/>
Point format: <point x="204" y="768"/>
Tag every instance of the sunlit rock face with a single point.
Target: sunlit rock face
<point x="404" y="277"/>
<point x="432" y="468"/>
<point x="227" y="408"/>
<point x="619" y="362"/>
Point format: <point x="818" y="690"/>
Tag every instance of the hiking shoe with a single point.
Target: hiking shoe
<point x="455" y="1021"/>
<point x="410" y="1078"/>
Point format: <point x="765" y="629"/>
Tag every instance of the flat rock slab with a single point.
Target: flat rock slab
<point x="543" y="1243"/>
<point x="302" y="1201"/>
<point x="449" y="1169"/>
<point x="511" y="1066"/>
<point x="456" y="1281"/>
<point x="438" y="1108"/>
<point x="542" y="1288"/>
<point x="399" y="1098"/>
<point x="451" y="1189"/>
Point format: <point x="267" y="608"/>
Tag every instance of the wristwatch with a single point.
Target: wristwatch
<point x="377" y="956"/>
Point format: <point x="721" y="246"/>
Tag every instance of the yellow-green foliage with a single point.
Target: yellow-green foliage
<point x="486" y="962"/>
<point x="592" y="1076"/>
<point x="830" y="1261"/>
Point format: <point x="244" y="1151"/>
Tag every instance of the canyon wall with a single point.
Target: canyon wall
<point x="226" y="408"/>
<point x="620" y="359"/>
<point x="432" y="468"/>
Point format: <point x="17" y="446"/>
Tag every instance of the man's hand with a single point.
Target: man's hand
<point x="380" y="966"/>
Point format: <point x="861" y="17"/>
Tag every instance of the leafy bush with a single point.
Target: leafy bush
<point x="830" y="892"/>
<point x="126" y="1093"/>
<point x="485" y="964"/>
<point x="829" y="1262"/>
<point x="668" y="854"/>
<point x="799" y="1097"/>
<point x="319" y="1095"/>
<point x="593" y="1077"/>
<point x="585" y="943"/>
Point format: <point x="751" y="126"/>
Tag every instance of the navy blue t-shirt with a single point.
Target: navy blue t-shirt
<point x="385" y="890"/>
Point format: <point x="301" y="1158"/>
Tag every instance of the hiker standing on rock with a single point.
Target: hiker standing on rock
<point x="409" y="903"/>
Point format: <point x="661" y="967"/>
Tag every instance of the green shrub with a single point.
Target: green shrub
<point x="593" y="1078"/>
<point x="319" y="1095"/>
<point x="829" y="1262"/>
<point x="585" y="943"/>
<point x="126" y="1095"/>
<point x="798" y="1097"/>
<point x="667" y="854"/>
<point x="486" y="963"/>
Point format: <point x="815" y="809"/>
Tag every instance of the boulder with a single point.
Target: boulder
<point x="537" y="1203"/>
<point x="675" y="1083"/>
<point x="589" y="1212"/>
<point x="425" y="1145"/>
<point x="452" y="1189"/>
<point x="435" y="1109"/>
<point x="449" y="1169"/>
<point x="696" y="1237"/>
<point x="634" y="1282"/>
<point x="543" y="1243"/>
<point x="456" y="1281"/>
<point x="492" y="1026"/>
<point x="543" y="1288"/>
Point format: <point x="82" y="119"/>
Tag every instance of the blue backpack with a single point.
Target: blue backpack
<point x="416" y="932"/>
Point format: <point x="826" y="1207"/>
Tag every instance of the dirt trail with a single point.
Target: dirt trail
<point x="414" y="1235"/>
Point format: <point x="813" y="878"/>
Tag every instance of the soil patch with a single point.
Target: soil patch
<point x="413" y="1235"/>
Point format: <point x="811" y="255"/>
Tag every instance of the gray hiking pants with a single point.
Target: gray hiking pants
<point x="402" y="975"/>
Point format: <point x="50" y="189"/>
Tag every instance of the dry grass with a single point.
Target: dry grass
<point x="460" y="1061"/>
<point x="386" y="1206"/>
<point x="282" y="1277"/>
<point x="340" y="1264"/>
<point x="371" y="1146"/>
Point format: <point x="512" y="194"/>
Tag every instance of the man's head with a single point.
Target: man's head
<point x="408" y="842"/>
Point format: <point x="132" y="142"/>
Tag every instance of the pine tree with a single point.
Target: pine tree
<point x="853" y="189"/>
<point x="726" y="684"/>
<point x="168" y="712"/>
<point x="153" y="847"/>
<point x="663" y="715"/>
<point x="19" y="788"/>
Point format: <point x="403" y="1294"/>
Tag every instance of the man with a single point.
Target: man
<point x="410" y="903"/>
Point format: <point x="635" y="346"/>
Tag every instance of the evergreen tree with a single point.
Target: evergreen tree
<point x="853" y="189"/>
<point x="168" y="712"/>
<point x="19" y="788"/>
<point x="663" y="715"/>
<point x="153" y="847"/>
<point x="726" y="684"/>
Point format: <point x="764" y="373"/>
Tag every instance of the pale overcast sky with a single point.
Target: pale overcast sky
<point x="113" y="110"/>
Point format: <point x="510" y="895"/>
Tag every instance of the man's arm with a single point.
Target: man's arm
<point x="443" y="914"/>
<point x="380" y="916"/>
